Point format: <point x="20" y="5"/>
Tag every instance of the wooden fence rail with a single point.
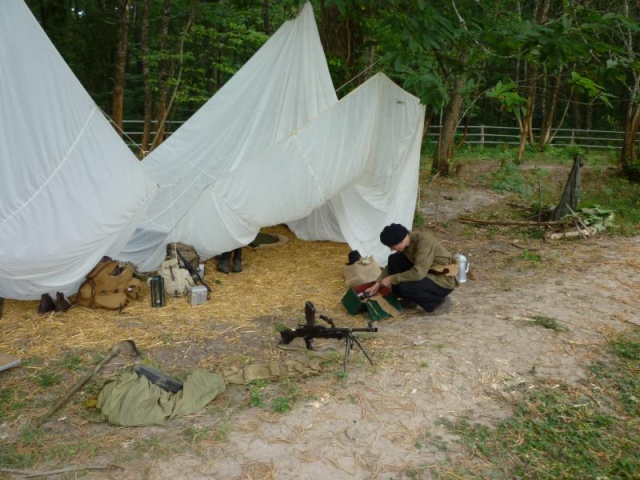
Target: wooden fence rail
<point x="482" y="135"/>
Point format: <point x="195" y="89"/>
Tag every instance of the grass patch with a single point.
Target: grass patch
<point x="550" y="323"/>
<point x="590" y="431"/>
<point x="611" y="191"/>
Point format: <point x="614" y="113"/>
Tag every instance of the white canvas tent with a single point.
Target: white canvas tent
<point x="70" y="190"/>
<point x="275" y="146"/>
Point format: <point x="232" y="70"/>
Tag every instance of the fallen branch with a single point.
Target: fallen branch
<point x="36" y="473"/>
<point x="578" y="233"/>
<point x="509" y="222"/>
<point x="530" y="249"/>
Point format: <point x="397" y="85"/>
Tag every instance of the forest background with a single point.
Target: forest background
<point x="538" y="65"/>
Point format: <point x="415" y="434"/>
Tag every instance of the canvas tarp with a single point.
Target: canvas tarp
<point x="70" y="189"/>
<point x="275" y="146"/>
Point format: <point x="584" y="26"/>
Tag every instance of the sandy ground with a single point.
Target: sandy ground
<point x="385" y="421"/>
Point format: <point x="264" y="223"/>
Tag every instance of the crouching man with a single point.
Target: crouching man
<point x="421" y="271"/>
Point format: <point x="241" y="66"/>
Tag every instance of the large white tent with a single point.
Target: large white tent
<point x="70" y="190"/>
<point x="275" y="146"/>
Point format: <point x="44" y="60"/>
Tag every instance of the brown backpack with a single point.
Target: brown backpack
<point x="186" y="254"/>
<point x="109" y="285"/>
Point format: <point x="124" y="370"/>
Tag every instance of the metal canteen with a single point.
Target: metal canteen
<point x="463" y="267"/>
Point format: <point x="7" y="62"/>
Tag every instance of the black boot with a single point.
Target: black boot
<point x="62" y="305"/>
<point x="237" y="261"/>
<point x="223" y="262"/>
<point x="46" y="304"/>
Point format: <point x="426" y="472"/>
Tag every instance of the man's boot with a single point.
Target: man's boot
<point x="62" y="305"/>
<point x="237" y="261"/>
<point x="223" y="262"/>
<point x="46" y="304"/>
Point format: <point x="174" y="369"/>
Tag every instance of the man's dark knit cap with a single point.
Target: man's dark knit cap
<point x="393" y="234"/>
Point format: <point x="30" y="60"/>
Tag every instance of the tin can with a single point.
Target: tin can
<point x="156" y="285"/>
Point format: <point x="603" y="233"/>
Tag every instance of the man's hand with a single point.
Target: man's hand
<point x="373" y="289"/>
<point x="386" y="282"/>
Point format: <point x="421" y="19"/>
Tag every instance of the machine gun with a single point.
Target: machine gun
<point x="311" y="330"/>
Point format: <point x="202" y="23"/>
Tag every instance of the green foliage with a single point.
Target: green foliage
<point x="279" y="327"/>
<point x="532" y="257"/>
<point x="592" y="89"/>
<point x="72" y="362"/>
<point x="418" y="219"/>
<point x="509" y="178"/>
<point x="509" y="98"/>
<point x="12" y="401"/>
<point x="611" y="192"/>
<point x="255" y="393"/>
<point x="281" y="404"/>
<point x="48" y="379"/>
<point x="596" y="218"/>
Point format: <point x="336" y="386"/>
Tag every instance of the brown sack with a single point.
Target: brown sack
<point x="362" y="271"/>
<point x="109" y="285"/>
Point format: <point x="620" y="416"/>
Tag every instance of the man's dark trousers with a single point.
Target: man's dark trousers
<point x="425" y="292"/>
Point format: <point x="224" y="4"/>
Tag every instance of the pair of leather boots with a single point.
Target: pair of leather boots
<point x="236" y="266"/>
<point x="48" y="305"/>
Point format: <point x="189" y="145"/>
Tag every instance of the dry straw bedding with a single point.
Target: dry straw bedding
<point x="275" y="283"/>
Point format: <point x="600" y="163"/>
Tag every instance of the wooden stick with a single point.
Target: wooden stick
<point x="126" y="346"/>
<point x="488" y="222"/>
<point x="37" y="473"/>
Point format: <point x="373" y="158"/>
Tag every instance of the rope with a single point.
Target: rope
<point x="358" y="75"/>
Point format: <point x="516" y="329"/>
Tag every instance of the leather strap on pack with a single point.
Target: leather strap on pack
<point x="450" y="270"/>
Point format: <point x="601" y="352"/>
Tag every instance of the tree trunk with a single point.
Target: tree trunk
<point x="117" y="102"/>
<point x="526" y="132"/>
<point x="577" y="116"/>
<point x="631" y="127"/>
<point x="341" y="37"/>
<point x="550" y="113"/>
<point x="146" y="78"/>
<point x="444" y="150"/>
<point x="163" y="77"/>
<point x="628" y="161"/>
<point x="265" y="17"/>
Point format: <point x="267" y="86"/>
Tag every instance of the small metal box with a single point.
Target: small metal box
<point x="198" y="295"/>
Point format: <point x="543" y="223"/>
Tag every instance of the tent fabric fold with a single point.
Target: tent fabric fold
<point x="70" y="189"/>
